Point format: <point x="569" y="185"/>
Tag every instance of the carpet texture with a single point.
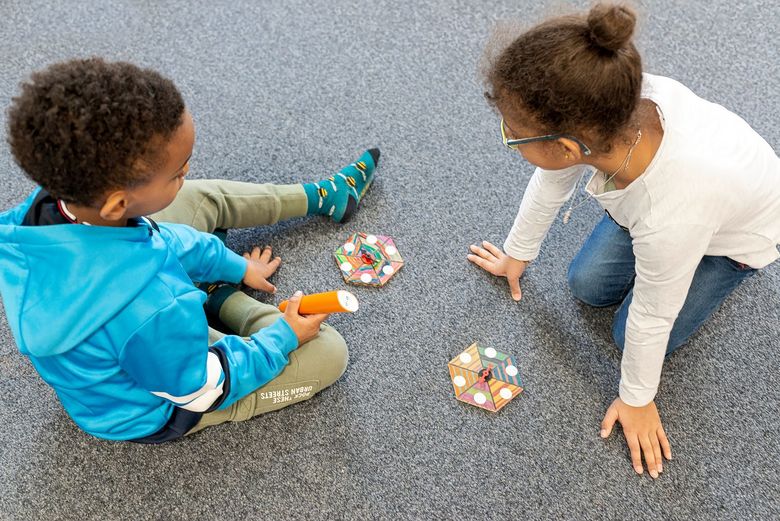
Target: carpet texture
<point x="288" y="92"/>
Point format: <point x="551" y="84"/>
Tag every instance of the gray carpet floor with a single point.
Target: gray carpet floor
<point x="289" y="91"/>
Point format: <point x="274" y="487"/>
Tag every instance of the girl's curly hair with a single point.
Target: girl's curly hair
<point x="571" y="74"/>
<point x="83" y="127"/>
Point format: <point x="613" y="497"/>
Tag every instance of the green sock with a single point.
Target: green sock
<point x="339" y="195"/>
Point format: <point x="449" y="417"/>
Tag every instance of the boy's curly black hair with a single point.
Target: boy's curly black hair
<point x="84" y="127"/>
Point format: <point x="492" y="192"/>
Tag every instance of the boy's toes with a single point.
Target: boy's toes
<point x="374" y="155"/>
<point x="352" y="205"/>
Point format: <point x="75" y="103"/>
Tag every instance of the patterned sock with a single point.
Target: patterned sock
<point x="217" y="293"/>
<point x="339" y="195"/>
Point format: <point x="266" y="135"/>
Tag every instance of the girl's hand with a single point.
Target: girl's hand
<point x="260" y="268"/>
<point x="305" y="327"/>
<point x="495" y="261"/>
<point x="644" y="434"/>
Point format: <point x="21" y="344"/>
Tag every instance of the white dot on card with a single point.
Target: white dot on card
<point x="511" y="370"/>
<point x="349" y="247"/>
<point x="505" y="393"/>
<point x="490" y="352"/>
<point x="459" y="381"/>
<point x="391" y="250"/>
<point x="480" y="398"/>
<point x="345" y="266"/>
<point x="465" y="358"/>
<point x="371" y="239"/>
<point x="366" y="278"/>
<point x="388" y="270"/>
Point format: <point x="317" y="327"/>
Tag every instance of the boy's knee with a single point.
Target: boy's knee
<point x="333" y="355"/>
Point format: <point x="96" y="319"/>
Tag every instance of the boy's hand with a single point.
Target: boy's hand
<point x="644" y="434"/>
<point x="260" y="267"/>
<point x="495" y="261"/>
<point x="305" y="327"/>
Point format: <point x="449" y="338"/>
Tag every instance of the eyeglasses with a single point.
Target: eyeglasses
<point x="515" y="143"/>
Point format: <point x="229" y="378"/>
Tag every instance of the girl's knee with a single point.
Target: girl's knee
<point x="582" y="285"/>
<point x="589" y="286"/>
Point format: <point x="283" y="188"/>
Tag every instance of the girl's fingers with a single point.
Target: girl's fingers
<point x="266" y="255"/>
<point x="609" y="421"/>
<point x="482" y="263"/>
<point x="492" y="249"/>
<point x="647" y="449"/>
<point x="514" y="288"/>
<point x="636" y="452"/>
<point x="256" y="252"/>
<point x="667" y="449"/>
<point x="659" y="460"/>
<point x="482" y="252"/>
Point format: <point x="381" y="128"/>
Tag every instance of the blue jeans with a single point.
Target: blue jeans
<point x="602" y="274"/>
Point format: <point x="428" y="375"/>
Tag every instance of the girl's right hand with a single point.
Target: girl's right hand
<point x="305" y="327"/>
<point x="495" y="261"/>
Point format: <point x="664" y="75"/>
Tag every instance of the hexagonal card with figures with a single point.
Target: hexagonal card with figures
<point x="484" y="377"/>
<point x="368" y="260"/>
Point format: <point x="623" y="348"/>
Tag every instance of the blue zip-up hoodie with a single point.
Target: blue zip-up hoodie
<point x="111" y="320"/>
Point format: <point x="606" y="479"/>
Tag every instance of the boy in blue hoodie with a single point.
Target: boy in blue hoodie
<point x="98" y="266"/>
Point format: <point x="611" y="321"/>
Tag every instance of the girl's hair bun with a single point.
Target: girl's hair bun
<point x="611" y="26"/>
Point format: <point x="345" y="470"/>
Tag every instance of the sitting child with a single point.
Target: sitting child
<point x="97" y="265"/>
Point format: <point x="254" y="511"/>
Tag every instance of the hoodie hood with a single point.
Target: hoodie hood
<point x="89" y="273"/>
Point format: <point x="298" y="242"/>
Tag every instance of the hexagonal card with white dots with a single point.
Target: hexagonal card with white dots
<point x="484" y="377"/>
<point x="368" y="260"/>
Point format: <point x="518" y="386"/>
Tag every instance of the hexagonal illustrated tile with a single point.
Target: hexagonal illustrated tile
<point x="368" y="260"/>
<point x="484" y="377"/>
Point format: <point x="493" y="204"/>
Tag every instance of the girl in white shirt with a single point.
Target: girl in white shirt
<point x="691" y="193"/>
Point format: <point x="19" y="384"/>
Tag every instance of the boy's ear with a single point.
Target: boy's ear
<point x="115" y="206"/>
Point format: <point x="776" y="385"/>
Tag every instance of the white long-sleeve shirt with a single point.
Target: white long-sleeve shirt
<point x="713" y="188"/>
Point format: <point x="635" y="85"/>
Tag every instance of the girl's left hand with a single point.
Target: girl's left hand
<point x="260" y="268"/>
<point x="644" y="434"/>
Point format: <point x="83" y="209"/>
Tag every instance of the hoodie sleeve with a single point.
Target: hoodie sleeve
<point x="256" y="360"/>
<point x="170" y="357"/>
<point x="204" y="256"/>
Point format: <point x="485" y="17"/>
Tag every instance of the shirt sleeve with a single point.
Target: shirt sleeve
<point x="204" y="256"/>
<point x="666" y="261"/>
<point x="169" y="356"/>
<point x="545" y="194"/>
